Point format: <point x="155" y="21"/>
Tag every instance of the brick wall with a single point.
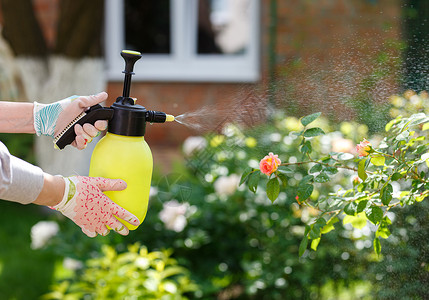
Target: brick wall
<point x="326" y="48"/>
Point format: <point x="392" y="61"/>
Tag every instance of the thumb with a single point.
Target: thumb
<point x="106" y="184"/>
<point x="88" y="101"/>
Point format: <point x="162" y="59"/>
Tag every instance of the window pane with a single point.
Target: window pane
<point x="147" y="26"/>
<point x="223" y="26"/>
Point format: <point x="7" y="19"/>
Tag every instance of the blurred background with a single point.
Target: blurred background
<point x="222" y="64"/>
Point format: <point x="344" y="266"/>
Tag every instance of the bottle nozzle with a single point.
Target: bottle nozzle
<point x="169" y="118"/>
<point x="158" y="117"/>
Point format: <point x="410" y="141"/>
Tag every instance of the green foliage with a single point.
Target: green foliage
<point x="403" y="266"/>
<point x="402" y="156"/>
<point x="18" y="262"/>
<point x="136" y="273"/>
<point x="19" y="145"/>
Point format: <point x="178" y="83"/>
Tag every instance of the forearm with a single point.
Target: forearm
<point x="19" y="181"/>
<point x="16" y="117"/>
<point x="52" y="191"/>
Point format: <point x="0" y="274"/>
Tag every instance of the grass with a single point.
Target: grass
<point x="24" y="273"/>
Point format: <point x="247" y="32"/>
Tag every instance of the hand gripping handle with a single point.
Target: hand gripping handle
<point x="93" y="114"/>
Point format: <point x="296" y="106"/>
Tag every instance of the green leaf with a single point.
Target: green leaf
<point x="320" y="222"/>
<point x="310" y="118"/>
<point x="377" y="246"/>
<point x="328" y="160"/>
<point x="314" y="233"/>
<point x="316" y="168"/>
<point x="390" y="124"/>
<point x="285" y="170"/>
<point x="303" y="245"/>
<point x="386" y="194"/>
<point x="378" y="160"/>
<point x="283" y="179"/>
<point x="306" y="148"/>
<point x="322" y="177"/>
<point x="330" y="170"/>
<point x="304" y="191"/>
<point x="361" y="170"/>
<point x="350" y="209"/>
<point x="425" y="126"/>
<point x="307" y="229"/>
<point x="329" y="226"/>
<point x="374" y="214"/>
<point x="245" y="175"/>
<point x="358" y="221"/>
<point x="312" y="132"/>
<point x="383" y="232"/>
<point x="306" y="179"/>
<point x="253" y="181"/>
<point x="362" y="206"/>
<point x="315" y="243"/>
<point x="273" y="189"/>
<point x="396" y="176"/>
<point x="297" y="133"/>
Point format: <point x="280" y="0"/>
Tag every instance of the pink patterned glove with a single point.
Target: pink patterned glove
<point x="86" y="205"/>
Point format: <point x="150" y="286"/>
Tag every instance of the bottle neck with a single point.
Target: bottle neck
<point x="121" y="137"/>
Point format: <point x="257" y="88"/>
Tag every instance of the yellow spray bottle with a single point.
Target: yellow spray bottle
<point x="123" y="152"/>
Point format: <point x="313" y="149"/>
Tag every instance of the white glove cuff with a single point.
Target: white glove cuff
<point x="66" y="204"/>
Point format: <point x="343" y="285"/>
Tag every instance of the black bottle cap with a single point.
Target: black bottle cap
<point x="128" y="119"/>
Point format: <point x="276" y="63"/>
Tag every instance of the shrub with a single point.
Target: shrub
<point x="135" y="274"/>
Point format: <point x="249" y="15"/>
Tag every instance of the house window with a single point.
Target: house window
<point x="185" y="40"/>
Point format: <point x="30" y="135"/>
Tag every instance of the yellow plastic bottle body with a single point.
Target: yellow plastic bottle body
<point x="128" y="158"/>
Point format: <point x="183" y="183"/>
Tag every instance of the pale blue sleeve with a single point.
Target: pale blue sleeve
<point x="19" y="181"/>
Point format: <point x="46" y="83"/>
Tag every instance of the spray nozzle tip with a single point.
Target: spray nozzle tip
<point x="169" y="118"/>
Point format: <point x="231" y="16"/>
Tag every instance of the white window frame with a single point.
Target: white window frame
<point x="182" y="64"/>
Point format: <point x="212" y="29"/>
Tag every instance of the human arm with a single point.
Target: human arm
<point x="16" y="117"/>
<point x="51" y="119"/>
<point x="81" y="199"/>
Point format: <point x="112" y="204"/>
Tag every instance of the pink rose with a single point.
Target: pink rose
<point x="356" y="180"/>
<point x="363" y="148"/>
<point x="269" y="164"/>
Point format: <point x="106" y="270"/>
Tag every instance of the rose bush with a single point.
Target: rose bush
<point x="392" y="175"/>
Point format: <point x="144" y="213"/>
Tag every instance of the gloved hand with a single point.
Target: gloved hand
<point x="86" y="205"/>
<point x="52" y="119"/>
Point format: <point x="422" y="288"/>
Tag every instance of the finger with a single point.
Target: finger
<point x="103" y="231"/>
<point x="89" y="233"/>
<point x="118" y="226"/>
<point x="78" y="129"/>
<point x="87" y="101"/>
<point x="100" y="125"/>
<point x="106" y="184"/>
<point x="124" y="214"/>
<point x="90" y="130"/>
<point x="80" y="143"/>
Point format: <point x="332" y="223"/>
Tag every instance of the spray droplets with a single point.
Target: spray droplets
<point x="245" y="111"/>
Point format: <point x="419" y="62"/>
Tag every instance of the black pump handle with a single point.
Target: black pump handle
<point x="130" y="58"/>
